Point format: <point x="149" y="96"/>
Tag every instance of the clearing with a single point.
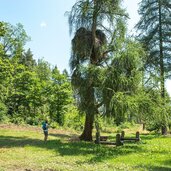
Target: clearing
<point x="22" y="149"/>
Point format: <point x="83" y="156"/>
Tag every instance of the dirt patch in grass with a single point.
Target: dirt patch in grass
<point x="19" y="127"/>
<point x="70" y="134"/>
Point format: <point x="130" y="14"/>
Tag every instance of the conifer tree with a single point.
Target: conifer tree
<point x="154" y="27"/>
<point x="97" y="24"/>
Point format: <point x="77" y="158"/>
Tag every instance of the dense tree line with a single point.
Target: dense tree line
<point x="30" y="90"/>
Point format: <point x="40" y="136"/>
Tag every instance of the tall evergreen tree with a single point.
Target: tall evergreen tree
<point x="155" y="26"/>
<point x="97" y="24"/>
<point x="27" y="60"/>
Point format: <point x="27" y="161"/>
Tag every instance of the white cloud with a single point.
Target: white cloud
<point x="43" y="24"/>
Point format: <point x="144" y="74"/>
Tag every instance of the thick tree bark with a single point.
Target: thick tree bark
<point x="164" y="130"/>
<point x="88" y="128"/>
<point x="90" y="113"/>
<point x="144" y="126"/>
<point x="162" y="77"/>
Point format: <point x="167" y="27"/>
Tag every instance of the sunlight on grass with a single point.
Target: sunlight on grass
<point x="26" y="150"/>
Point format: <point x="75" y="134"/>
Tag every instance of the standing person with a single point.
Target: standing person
<point x="45" y="129"/>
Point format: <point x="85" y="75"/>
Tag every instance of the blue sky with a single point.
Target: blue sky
<point x="46" y="24"/>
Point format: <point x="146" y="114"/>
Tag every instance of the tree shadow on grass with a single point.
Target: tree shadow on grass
<point x="149" y="136"/>
<point x="168" y="163"/>
<point x="12" y="141"/>
<point x="98" y="152"/>
<point x="160" y="168"/>
<point x="155" y="168"/>
<point x="62" y="135"/>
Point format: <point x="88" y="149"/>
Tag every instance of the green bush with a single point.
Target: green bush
<point x="73" y="119"/>
<point x="17" y="119"/>
<point x="154" y="126"/>
<point x="3" y="112"/>
<point x="33" y="120"/>
<point x="126" y="125"/>
<point x="54" y="125"/>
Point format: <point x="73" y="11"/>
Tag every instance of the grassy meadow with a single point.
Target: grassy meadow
<point x="22" y="149"/>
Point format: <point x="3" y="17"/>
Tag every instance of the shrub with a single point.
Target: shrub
<point x="73" y="119"/>
<point x="16" y="119"/>
<point x="154" y="126"/>
<point x="3" y="112"/>
<point x="54" y="125"/>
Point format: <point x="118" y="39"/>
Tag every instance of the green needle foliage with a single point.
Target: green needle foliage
<point x="122" y="81"/>
<point x="90" y="46"/>
<point x="154" y="27"/>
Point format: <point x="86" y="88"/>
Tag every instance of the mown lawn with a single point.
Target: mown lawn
<point x="23" y="149"/>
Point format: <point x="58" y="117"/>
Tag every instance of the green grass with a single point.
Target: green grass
<point x="23" y="149"/>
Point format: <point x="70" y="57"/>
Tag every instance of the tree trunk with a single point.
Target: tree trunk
<point x="164" y="130"/>
<point x="162" y="71"/>
<point x="90" y="110"/>
<point x="144" y="126"/>
<point x="162" y="77"/>
<point x="88" y="128"/>
<point x="90" y="98"/>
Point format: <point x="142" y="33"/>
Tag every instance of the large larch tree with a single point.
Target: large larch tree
<point x="96" y="25"/>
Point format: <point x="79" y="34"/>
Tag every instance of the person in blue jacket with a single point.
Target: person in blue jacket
<point x="45" y="129"/>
